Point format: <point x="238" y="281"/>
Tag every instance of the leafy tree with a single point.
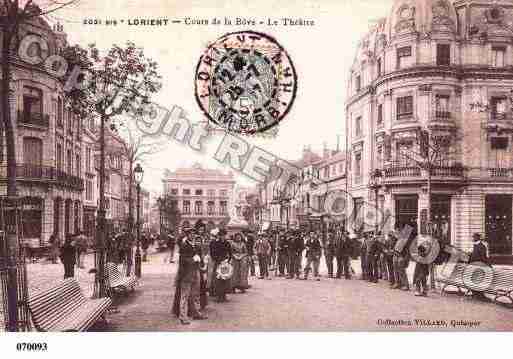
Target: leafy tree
<point x="112" y="87"/>
<point x="14" y="15"/>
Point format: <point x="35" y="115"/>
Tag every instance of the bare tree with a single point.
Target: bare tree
<point x="135" y="147"/>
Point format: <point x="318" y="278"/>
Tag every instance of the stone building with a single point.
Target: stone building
<point x="423" y="68"/>
<point x="201" y="194"/>
<point x="48" y="140"/>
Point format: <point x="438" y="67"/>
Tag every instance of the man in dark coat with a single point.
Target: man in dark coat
<point x="296" y="248"/>
<point x="68" y="257"/>
<point x="250" y="244"/>
<point x="187" y="293"/>
<point x="343" y="255"/>
<point x="479" y="257"/>
<point x="329" y="252"/>
<point x="283" y="252"/>
<point x="313" y="255"/>
<point x="479" y="251"/>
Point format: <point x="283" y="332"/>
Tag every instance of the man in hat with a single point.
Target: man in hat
<point x="343" y="255"/>
<point x="283" y="249"/>
<point x="329" y="252"/>
<point x="479" y="257"/>
<point x="296" y="247"/>
<point x="187" y="294"/>
<point x="263" y="251"/>
<point x="313" y="255"/>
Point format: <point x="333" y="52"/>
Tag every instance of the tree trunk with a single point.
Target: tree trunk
<point x="11" y="250"/>
<point x="101" y="231"/>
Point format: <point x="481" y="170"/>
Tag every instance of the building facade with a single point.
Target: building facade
<point x="49" y="143"/>
<point x="201" y="194"/>
<point x="425" y="68"/>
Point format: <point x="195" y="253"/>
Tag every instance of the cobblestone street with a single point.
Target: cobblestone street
<point x="283" y="305"/>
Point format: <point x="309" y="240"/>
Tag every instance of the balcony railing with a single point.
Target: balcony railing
<point x="33" y="119"/>
<point x="448" y="171"/>
<point x="499" y="116"/>
<point x="399" y="171"/>
<point x="29" y="172"/>
<point x="443" y="115"/>
<point x="500" y="172"/>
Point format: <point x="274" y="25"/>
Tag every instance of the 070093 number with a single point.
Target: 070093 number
<point x="32" y="347"/>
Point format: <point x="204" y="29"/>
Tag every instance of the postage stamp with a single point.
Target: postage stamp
<point x="245" y="82"/>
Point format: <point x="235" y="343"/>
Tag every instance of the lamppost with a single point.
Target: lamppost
<point x="375" y="185"/>
<point x="138" y="176"/>
<point x="159" y="202"/>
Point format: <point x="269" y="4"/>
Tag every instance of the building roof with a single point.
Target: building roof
<point x="197" y="170"/>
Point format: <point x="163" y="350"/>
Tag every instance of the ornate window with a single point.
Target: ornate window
<point x="404" y="55"/>
<point x="404" y="107"/>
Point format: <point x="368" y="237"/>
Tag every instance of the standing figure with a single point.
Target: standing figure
<point x="220" y="251"/>
<point x="389" y="258"/>
<point x="171" y="244"/>
<point x="283" y="249"/>
<point x="401" y="263"/>
<point x="296" y="247"/>
<point x="68" y="257"/>
<point x="479" y="257"/>
<point x="372" y="258"/>
<point x="54" y="248"/>
<point x="263" y="251"/>
<point x="250" y="244"/>
<point x="363" y="257"/>
<point x="329" y="253"/>
<point x="421" y="273"/>
<point x="81" y="244"/>
<point x="187" y="294"/>
<point x="240" y="264"/>
<point x="145" y="244"/>
<point x="313" y="255"/>
<point x="343" y="254"/>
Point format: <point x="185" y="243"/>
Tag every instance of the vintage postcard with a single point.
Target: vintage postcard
<point x="270" y="166"/>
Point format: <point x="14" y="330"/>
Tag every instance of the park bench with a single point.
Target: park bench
<point x="117" y="281"/>
<point x="500" y="284"/>
<point x="64" y="308"/>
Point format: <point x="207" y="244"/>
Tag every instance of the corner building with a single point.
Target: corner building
<point x="423" y="67"/>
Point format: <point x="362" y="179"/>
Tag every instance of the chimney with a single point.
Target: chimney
<point x="325" y="151"/>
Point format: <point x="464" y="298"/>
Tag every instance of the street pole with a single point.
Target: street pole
<point x="138" y="249"/>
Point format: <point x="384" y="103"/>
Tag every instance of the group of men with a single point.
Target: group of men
<point x="290" y="247"/>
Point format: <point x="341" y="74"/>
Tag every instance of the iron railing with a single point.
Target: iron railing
<point x="33" y="119"/>
<point x="443" y="115"/>
<point x="45" y="174"/>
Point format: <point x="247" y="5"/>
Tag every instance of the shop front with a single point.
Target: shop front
<point x="498" y="223"/>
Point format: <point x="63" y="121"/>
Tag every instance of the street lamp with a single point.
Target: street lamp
<point x="138" y="177"/>
<point x="375" y="185"/>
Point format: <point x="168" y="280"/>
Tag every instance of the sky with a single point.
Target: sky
<point x="322" y="55"/>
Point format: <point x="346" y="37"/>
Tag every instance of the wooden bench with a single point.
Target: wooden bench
<point x="64" y="308"/>
<point x="117" y="281"/>
<point x="500" y="281"/>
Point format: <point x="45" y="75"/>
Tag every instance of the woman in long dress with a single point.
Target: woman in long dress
<point x="240" y="264"/>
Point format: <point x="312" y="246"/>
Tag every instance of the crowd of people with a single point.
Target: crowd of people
<point x="211" y="264"/>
